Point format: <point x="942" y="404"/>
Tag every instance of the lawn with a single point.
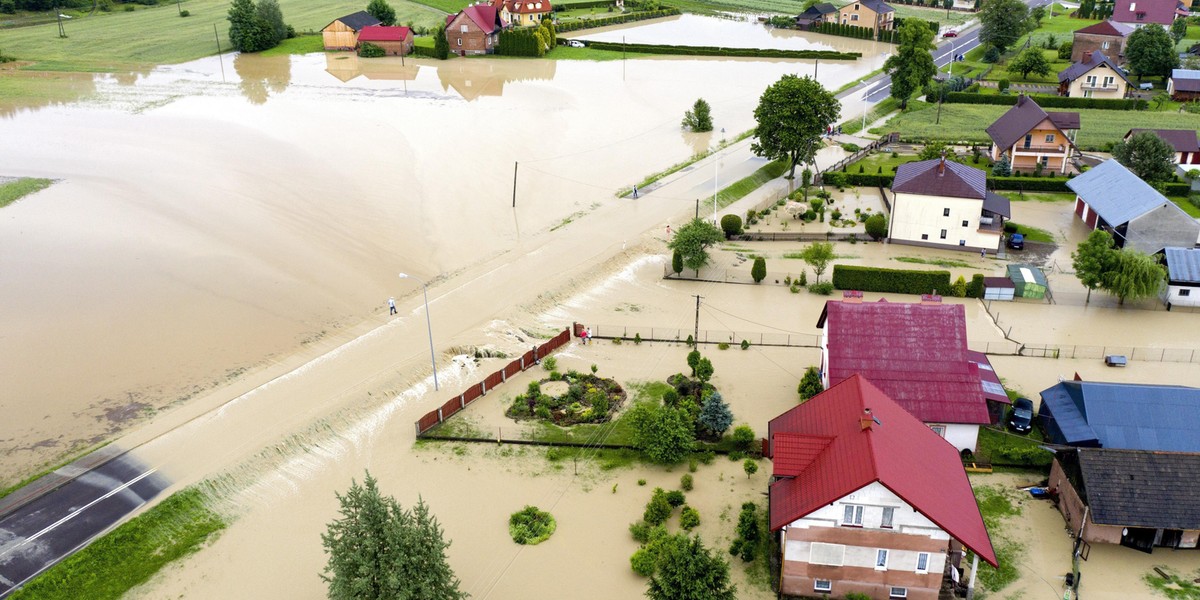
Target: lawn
<point x="1183" y="203"/>
<point x="873" y="163"/>
<point x="1061" y="27"/>
<point x="786" y="7"/>
<point x="1033" y="234"/>
<point x="120" y="41"/>
<point x="15" y="190"/>
<point x="997" y="506"/>
<point x="1000" y="447"/>
<point x="562" y="52"/>
<point x="966" y="123"/>
<point x="852" y="125"/>
<point x="302" y="44"/>
<point x="956" y="18"/>
<point x="1041" y="197"/>
<point x="1051" y="77"/>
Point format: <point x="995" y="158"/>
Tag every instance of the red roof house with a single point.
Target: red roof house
<point x="394" y="40"/>
<point x="917" y="354"/>
<point x="1143" y="12"/>
<point x="867" y="498"/>
<point x="474" y="29"/>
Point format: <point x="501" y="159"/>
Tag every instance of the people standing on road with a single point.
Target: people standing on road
<point x="587" y="331"/>
<point x="668" y="231"/>
<point x="583" y="333"/>
<point x="391" y="306"/>
<point x="635" y="192"/>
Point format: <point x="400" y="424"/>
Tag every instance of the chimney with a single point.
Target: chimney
<point x="867" y="420"/>
<point x="933" y="298"/>
<point x="852" y="296"/>
<point x="942" y="165"/>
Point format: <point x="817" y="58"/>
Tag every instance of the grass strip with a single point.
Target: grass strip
<point x="1176" y="587"/>
<point x="624" y="192"/>
<point x="36" y="476"/>
<point x="997" y="506"/>
<point x="881" y="110"/>
<point x="15" y="190"/>
<point x="301" y="44"/>
<point x="1033" y="234"/>
<point x="742" y="187"/>
<point x="132" y="553"/>
<point x="944" y="263"/>
<point x="1184" y="203"/>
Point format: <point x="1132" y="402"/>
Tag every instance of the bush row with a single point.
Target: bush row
<point x="423" y="51"/>
<point x="856" y="179"/>
<point x="899" y="281"/>
<point x="1047" y="101"/>
<point x="1029" y="184"/>
<point x="558" y="7"/>
<point x="717" y="51"/>
<point x="520" y="42"/>
<point x="852" y="31"/>
<point x="606" y="21"/>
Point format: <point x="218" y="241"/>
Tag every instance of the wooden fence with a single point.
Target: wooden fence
<point x="459" y="402"/>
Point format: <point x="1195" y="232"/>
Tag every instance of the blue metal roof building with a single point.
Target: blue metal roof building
<point x="1122" y="415"/>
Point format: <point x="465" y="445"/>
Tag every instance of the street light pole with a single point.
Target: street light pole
<point x="428" y="326"/>
<point x="864" y="123"/>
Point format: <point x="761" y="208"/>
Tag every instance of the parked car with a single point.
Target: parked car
<point x="575" y="44"/>
<point x="1145" y="86"/>
<point x="1016" y="241"/>
<point x="950" y="34"/>
<point x="1020" y="419"/>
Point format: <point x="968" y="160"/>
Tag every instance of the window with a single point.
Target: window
<point x="898" y="592"/>
<point x="945" y="212"/>
<point x="1090" y="80"/>
<point x="1105" y="45"/>
<point x="1045" y="161"/>
<point x="1185" y="292"/>
<point x="965" y="223"/>
<point x="943" y="236"/>
<point x="853" y="17"/>
<point x="823" y="585"/>
<point x="463" y="28"/>
<point x="459" y="41"/>
<point x="889" y="514"/>
<point x="1049" y="138"/>
<point x="962" y="242"/>
<point x="992" y="387"/>
<point x="923" y="562"/>
<point x="881" y="556"/>
<point x="1087" y="93"/>
<point x="1108" y="81"/>
<point x="1141" y="16"/>
<point x="939" y="429"/>
<point x="852" y="515"/>
<point x="855" y="7"/>
<point x="924" y="236"/>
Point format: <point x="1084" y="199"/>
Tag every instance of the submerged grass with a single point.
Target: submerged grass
<point x="15" y="190"/>
<point x="625" y="192"/>
<point x="941" y="262"/>
<point x="996" y="505"/>
<point x="742" y="187"/>
<point x="132" y="553"/>
<point x="1176" y="587"/>
<point x="36" y="476"/>
<point x="1034" y="234"/>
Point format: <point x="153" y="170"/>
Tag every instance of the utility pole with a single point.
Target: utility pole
<point x="62" y="33"/>
<point x="816" y="64"/>
<point x="179" y="6"/>
<point x="697" y="208"/>
<point x="219" y="59"/>
<point x="515" y="184"/>
<point x="696" y="334"/>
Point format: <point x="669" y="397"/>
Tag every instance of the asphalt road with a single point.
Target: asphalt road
<point x="47" y="530"/>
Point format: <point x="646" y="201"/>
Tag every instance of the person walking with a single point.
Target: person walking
<point x="391" y="306"/>
<point x="587" y="335"/>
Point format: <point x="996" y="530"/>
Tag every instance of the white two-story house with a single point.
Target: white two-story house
<point x="946" y="204"/>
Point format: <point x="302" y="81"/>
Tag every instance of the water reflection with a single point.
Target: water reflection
<point x="698" y="142"/>
<point x="263" y="75"/>
<point x="697" y="30"/>
<point x="473" y="78"/>
<point x="345" y="66"/>
<point x="41" y="90"/>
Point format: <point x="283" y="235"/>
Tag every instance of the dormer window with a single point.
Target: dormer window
<point x="855" y="7"/>
<point x="1141" y="16"/>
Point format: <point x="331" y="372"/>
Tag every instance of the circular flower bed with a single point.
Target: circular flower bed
<point x="531" y="526"/>
<point x="570" y="399"/>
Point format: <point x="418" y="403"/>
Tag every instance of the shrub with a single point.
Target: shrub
<point x="958" y="289"/>
<point x="643" y="562"/>
<point x="759" y="270"/>
<point x="745" y="345"/>
<point x="877" y="226"/>
<point x="991" y="55"/>
<point x="900" y="281"/>
<point x="641" y="482"/>
<point x="685" y="482"/>
<point x="689" y="519"/>
<point x="658" y="510"/>
<point x="637" y="339"/>
<point x="723" y="346"/>
<point x="640" y="531"/>
<point x="675" y="498"/>
<point x="743" y="437"/>
<point x="550" y="363"/>
<point x="824" y="288"/>
<point x="369" y="50"/>
<point x="1002" y="85"/>
<point x="851" y="148"/>
<point x="182" y="13"/>
<point x="1010" y="227"/>
<point x="531" y="526"/>
<point x="803" y="280"/>
<point x="975" y="287"/>
<point x="750" y="467"/>
<point x="731" y="225"/>
<point x="1048" y="101"/>
<point x="1064" y="50"/>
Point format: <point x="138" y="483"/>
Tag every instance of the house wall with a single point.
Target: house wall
<point x="1162" y="227"/>
<point x="526" y="19"/>
<point x="1110" y="46"/>
<point x="962" y="436"/>
<point x="916" y="215"/>
<point x="1081" y="88"/>
<point x="466" y="37"/>
<point x="865" y="17"/>
<point x="1178" y="95"/>
<point x="912" y="533"/>
<point x="1072" y="508"/>
<point x="1045" y="140"/>
<point x="395" y="48"/>
<point x="337" y="36"/>
<point x="1174" y="294"/>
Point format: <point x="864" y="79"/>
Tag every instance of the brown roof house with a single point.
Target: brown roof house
<point x="1142" y="499"/>
<point x="1110" y="197"/>
<point x="342" y="34"/>
<point x="1108" y="37"/>
<point x="1184" y="85"/>
<point x="1145" y="12"/>
<point x="474" y="30"/>
<point x="1187" y="149"/>
<point x="871" y="14"/>
<point x="945" y="204"/>
<point x="1028" y="135"/>
<point x="1095" y="77"/>
<point x="821" y="12"/>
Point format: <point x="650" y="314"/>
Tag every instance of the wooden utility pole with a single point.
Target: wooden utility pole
<point x="696" y="333"/>
<point x="217" y="36"/>
<point x="515" y="164"/>
<point x="62" y="33"/>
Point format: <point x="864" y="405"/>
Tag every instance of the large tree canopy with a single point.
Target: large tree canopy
<point x="255" y="28"/>
<point x="1092" y="259"/>
<point x="1003" y="22"/>
<point x="1134" y="275"/>
<point x="1030" y="60"/>
<point x="911" y="67"/>
<point x="792" y="115"/>
<point x="1150" y="51"/>
<point x="383" y="11"/>
<point x="692" y="241"/>
<point x="1147" y="156"/>
<point x="687" y="570"/>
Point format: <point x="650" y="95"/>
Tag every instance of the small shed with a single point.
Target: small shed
<point x="342" y="34"/>
<point x="1028" y="281"/>
<point x="395" y="41"/>
<point x="998" y="288"/>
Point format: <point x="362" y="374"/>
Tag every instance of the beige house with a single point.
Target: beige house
<point x="944" y="204"/>
<point x="872" y="14"/>
<point x="1028" y="135"/>
<point x="1095" y="77"/>
<point x="342" y="34"/>
<point x="523" y="13"/>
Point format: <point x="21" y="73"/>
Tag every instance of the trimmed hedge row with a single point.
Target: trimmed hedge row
<point x="558" y="6"/>
<point x="1047" y="101"/>
<point x="846" y="30"/>
<point x="576" y="25"/>
<point x="423" y="51"/>
<point x="1029" y="184"/>
<point x="1177" y="189"/>
<point x="1025" y="184"/>
<point x="899" y="281"/>
<point x="856" y="179"/>
<point x="717" y="51"/>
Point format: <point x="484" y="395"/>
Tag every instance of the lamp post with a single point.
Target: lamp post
<point x="428" y="326"/>
<point x="864" y="120"/>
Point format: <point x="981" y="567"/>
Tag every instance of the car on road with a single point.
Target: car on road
<point x="1020" y="419"/>
<point x="1016" y="241"/>
<point x="575" y="44"/>
<point x="950" y="34"/>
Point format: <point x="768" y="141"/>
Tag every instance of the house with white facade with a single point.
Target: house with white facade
<point x="1110" y="197"/>
<point x="945" y="204"/>
<point x="866" y="499"/>
<point x="1097" y="76"/>
<point x="1184" y="141"/>
<point x="1183" y="277"/>
<point x="917" y="354"/>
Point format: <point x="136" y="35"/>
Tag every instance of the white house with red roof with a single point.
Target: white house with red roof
<point x="917" y="354"/>
<point x="867" y="499"/>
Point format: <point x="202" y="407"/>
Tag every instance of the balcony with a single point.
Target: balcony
<point x="1040" y="149"/>
<point x="1100" y="87"/>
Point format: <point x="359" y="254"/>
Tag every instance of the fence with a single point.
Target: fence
<point x="459" y="402"/>
<point x="879" y="143"/>
<point x="705" y="336"/>
<point x="800" y="236"/>
<point x="1139" y="353"/>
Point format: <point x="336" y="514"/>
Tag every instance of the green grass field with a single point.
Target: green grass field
<point x="956" y="18"/>
<point x="967" y="122"/>
<point x="303" y="44"/>
<point x="785" y="7"/>
<point x="15" y="190"/>
<point x="120" y="41"/>
<point x="1187" y="206"/>
<point x="1061" y="27"/>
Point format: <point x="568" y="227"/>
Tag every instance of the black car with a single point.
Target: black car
<point x="1016" y="241"/>
<point x="1020" y="419"/>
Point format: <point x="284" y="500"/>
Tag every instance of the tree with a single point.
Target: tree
<point x="704" y="370"/>
<point x="750" y="467"/>
<point x="1030" y="60"/>
<point x="693" y="360"/>
<point x="715" y="417"/>
<point x="877" y="226"/>
<point x="1147" y="156"/>
<point x="272" y="17"/>
<point x="1037" y="15"/>
<point x="692" y="242"/>
<point x="1093" y="259"/>
<point x="665" y="434"/>
<point x="911" y="67"/>
<point x="1003" y="22"/>
<point x="1134" y="275"/>
<point x="759" y="270"/>
<point x="687" y="570"/>
<point x="1086" y="8"/>
<point x="676" y="262"/>
<point x="792" y="115"/>
<point x="1150" y="51"/>
<point x="699" y="118"/>
<point x="810" y="384"/>
<point x="383" y="11"/>
<point x="1065" y="49"/>
<point x="731" y="225"/>
<point x="1002" y="168"/>
<point x="818" y="256"/>
<point x="1179" y="30"/>
<point x="248" y="30"/>
<point x="379" y="550"/>
<point x="934" y="150"/>
<point x="441" y="44"/>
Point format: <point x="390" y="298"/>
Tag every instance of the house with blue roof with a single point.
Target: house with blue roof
<point x="1110" y="197"/>
<point x="1127" y="416"/>
<point x="1183" y="277"/>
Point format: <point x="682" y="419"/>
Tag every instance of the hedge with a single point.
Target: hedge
<point x="1047" y="101"/>
<point x="559" y="6"/>
<point x="899" y="281"/>
<point x="1030" y="184"/>
<point x="520" y="42"/>
<point x="1027" y="184"/>
<point x="856" y="179"/>
<point x="423" y="51"/>
<point x="1177" y="189"/>
<point x="717" y="51"/>
<point x="975" y="286"/>
<point x="576" y="25"/>
<point x="851" y="31"/>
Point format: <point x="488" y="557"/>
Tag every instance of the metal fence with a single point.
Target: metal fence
<point x="647" y="333"/>
<point x="1133" y="353"/>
